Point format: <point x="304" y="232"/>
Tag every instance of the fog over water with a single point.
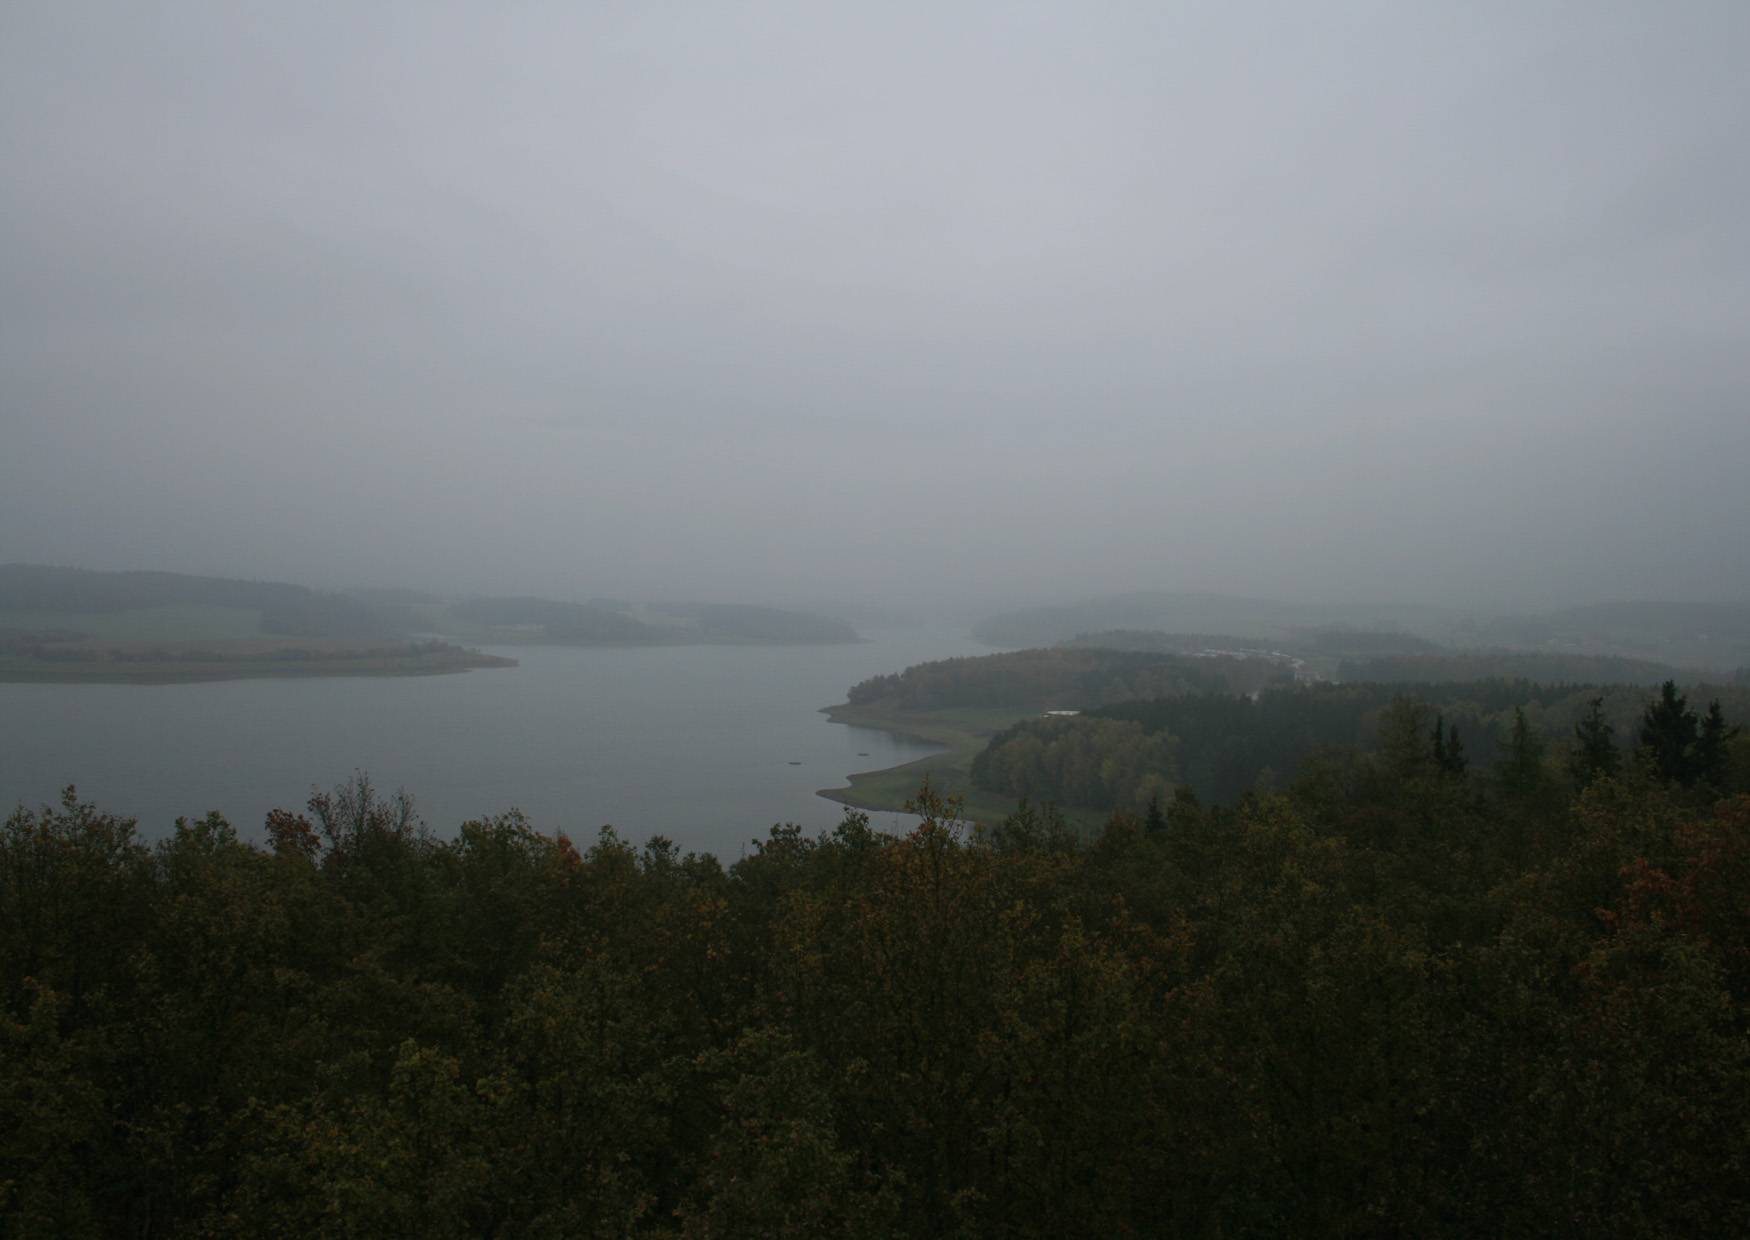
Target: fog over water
<point x="960" y="305"/>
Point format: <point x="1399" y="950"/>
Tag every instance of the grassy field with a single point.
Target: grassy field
<point x="963" y="733"/>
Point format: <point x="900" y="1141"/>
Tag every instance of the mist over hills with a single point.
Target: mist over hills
<point x="39" y="598"/>
<point x="1191" y="612"/>
<point x="604" y="621"/>
<point x="46" y="591"/>
<point x="1694" y="635"/>
<point x="1689" y="634"/>
<point x="1294" y="385"/>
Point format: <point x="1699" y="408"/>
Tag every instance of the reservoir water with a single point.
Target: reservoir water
<point x="708" y="745"/>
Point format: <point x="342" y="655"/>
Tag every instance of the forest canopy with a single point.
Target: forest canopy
<point x="1395" y="998"/>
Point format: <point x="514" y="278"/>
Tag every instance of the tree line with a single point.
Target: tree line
<point x="1223" y="746"/>
<point x="1058" y="677"/>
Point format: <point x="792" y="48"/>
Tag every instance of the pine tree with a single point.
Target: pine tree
<point x="1710" y="757"/>
<point x="1448" y="749"/>
<point x="1455" y="759"/>
<point x="1521" y="766"/>
<point x="1596" y="756"/>
<point x="1668" y="736"/>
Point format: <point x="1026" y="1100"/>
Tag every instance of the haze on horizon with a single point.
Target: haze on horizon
<point x="984" y="302"/>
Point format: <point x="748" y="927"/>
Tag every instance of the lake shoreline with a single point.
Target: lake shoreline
<point x="708" y="746"/>
<point x="961" y="734"/>
<point x="108" y="670"/>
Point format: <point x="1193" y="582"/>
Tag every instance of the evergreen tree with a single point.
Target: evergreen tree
<point x="1595" y="756"/>
<point x="1710" y="756"/>
<point x="1455" y="759"/>
<point x="1448" y="749"/>
<point x="1668" y="736"/>
<point x="1521" y="765"/>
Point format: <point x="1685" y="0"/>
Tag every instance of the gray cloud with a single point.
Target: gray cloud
<point x="1446" y="302"/>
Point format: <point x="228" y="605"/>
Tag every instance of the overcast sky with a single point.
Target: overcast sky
<point x="1327" y="301"/>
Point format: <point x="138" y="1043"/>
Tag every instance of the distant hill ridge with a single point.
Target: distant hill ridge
<point x="1338" y="642"/>
<point x="604" y="621"/>
<point x="1193" y="613"/>
<point x="1695" y="618"/>
<point x="1528" y="665"/>
<point x="63" y="594"/>
<point x="1693" y="635"/>
<point x="559" y="621"/>
<point x="290" y="610"/>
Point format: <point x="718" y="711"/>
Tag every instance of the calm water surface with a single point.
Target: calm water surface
<point x="693" y="742"/>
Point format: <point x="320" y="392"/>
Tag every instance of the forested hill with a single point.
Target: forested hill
<point x="1713" y="635"/>
<point x="1709" y="636"/>
<point x="1061" y="678"/>
<point x="502" y="618"/>
<point x="35" y="593"/>
<point x="1312" y="642"/>
<point x="1376" y="656"/>
<point x="38" y="600"/>
<point x="1252" y="619"/>
<point x="1542" y="667"/>
<point x="741" y="622"/>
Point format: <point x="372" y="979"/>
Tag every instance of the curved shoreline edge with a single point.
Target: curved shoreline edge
<point x="961" y="737"/>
